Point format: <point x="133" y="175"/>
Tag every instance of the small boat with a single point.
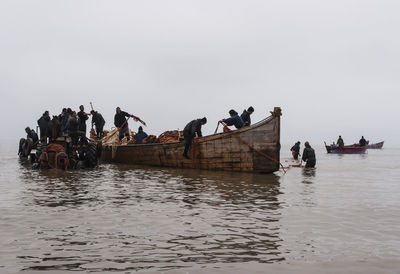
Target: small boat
<point x="255" y="148"/>
<point x="376" y="145"/>
<point x="351" y="149"/>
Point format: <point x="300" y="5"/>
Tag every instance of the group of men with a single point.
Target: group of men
<point x="362" y="142"/>
<point x="193" y="128"/>
<point x="308" y="154"/>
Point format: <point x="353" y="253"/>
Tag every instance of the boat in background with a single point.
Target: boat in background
<point x="376" y="145"/>
<point x="351" y="149"/>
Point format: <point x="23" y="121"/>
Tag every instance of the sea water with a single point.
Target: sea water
<point x="342" y="217"/>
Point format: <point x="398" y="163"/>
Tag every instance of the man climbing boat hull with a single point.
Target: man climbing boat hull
<point x="251" y="149"/>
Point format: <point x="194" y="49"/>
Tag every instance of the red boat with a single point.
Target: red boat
<point x="352" y="149"/>
<point x="376" y="145"/>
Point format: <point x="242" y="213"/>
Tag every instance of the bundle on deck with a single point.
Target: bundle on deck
<point x="150" y="139"/>
<point x="170" y="136"/>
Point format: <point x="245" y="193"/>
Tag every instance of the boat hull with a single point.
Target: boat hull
<point x="376" y="145"/>
<point x="353" y="149"/>
<point x="250" y="149"/>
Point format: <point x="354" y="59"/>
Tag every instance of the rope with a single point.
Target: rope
<point x="226" y="129"/>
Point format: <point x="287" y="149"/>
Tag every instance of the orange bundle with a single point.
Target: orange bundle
<point x="170" y="136"/>
<point x="150" y="139"/>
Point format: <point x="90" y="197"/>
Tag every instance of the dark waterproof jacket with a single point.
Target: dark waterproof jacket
<point x="140" y="136"/>
<point x="98" y="119"/>
<point x="73" y="124"/>
<point x="119" y="118"/>
<point x="308" y="154"/>
<point x="192" y="128"/>
<point x="246" y="118"/>
<point x="296" y="148"/>
<point x="43" y="121"/>
<point x="234" y="120"/>
<point x="82" y="120"/>
<point x="33" y="136"/>
<point x="340" y="142"/>
<point x="362" y="142"/>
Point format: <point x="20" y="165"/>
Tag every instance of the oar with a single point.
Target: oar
<point x="216" y="128"/>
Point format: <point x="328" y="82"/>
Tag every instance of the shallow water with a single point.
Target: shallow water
<point x="341" y="217"/>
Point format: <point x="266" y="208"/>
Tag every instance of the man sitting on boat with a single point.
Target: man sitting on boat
<point x="362" y="142"/>
<point x="246" y="116"/>
<point x="25" y="145"/>
<point x="235" y="120"/>
<point x="140" y="135"/>
<point x="189" y="132"/>
<point x="309" y="155"/>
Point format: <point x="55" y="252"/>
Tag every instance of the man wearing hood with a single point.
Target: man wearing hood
<point x="43" y="124"/>
<point x="190" y="131"/>
<point x="233" y="120"/>
<point x="309" y="155"/>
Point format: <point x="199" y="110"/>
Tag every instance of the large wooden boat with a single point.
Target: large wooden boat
<point x="376" y="145"/>
<point x="250" y="149"/>
<point x="351" y="149"/>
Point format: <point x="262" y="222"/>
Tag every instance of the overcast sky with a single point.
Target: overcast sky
<point x="332" y="66"/>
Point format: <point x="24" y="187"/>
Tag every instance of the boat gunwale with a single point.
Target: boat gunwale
<point x="207" y="138"/>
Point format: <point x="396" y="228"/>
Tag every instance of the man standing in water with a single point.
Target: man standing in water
<point x="309" y="155"/>
<point x="189" y="132"/>
<point x="296" y="150"/>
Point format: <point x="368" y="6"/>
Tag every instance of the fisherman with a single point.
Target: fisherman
<point x="362" y="142"/>
<point x="340" y="142"/>
<point x="98" y="121"/>
<point x="31" y="134"/>
<point x="140" y="135"/>
<point x="233" y="120"/>
<point x="296" y="150"/>
<point x="73" y="127"/>
<point x="82" y="119"/>
<point x="309" y="155"/>
<point x="43" y="123"/>
<point x="121" y="123"/>
<point x="25" y="145"/>
<point x="246" y="116"/>
<point x="190" y="131"/>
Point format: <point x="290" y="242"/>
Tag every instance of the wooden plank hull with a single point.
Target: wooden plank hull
<point x="376" y="145"/>
<point x="223" y="151"/>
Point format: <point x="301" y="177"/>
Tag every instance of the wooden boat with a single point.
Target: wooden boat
<point x="250" y="149"/>
<point x="376" y="145"/>
<point x="351" y="149"/>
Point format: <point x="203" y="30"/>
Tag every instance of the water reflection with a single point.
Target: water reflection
<point x="120" y="218"/>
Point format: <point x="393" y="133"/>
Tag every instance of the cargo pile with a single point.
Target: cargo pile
<point x="112" y="138"/>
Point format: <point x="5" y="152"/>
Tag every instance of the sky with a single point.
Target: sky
<point x="332" y="66"/>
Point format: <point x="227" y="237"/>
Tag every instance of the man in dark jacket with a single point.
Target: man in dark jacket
<point x="43" y="124"/>
<point x="340" y="142"/>
<point x="98" y="121"/>
<point x="190" y="131"/>
<point x="233" y="120"/>
<point x="309" y="155"/>
<point x="121" y="123"/>
<point x="246" y="116"/>
<point x="82" y="119"/>
<point x="30" y="133"/>
<point x="296" y="150"/>
<point x="140" y="135"/>
<point x="362" y="142"/>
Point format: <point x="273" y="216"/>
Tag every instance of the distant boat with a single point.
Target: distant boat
<point x="376" y="145"/>
<point x="351" y="149"/>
